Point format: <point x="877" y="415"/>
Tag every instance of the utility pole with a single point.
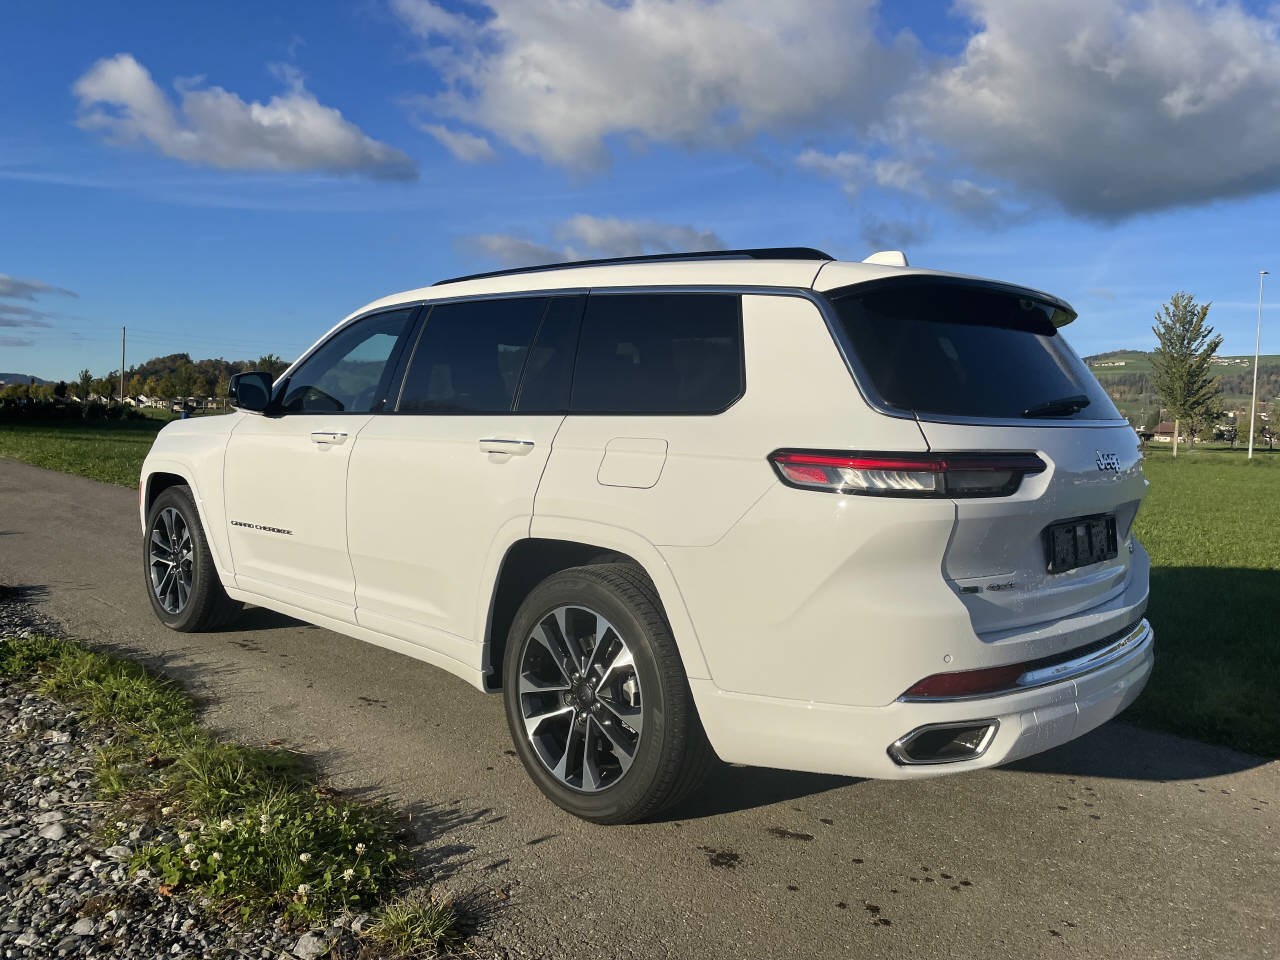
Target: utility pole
<point x="122" y="366"/>
<point x="1257" y="348"/>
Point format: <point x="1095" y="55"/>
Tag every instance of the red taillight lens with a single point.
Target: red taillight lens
<point x="906" y="474"/>
<point x="968" y="683"/>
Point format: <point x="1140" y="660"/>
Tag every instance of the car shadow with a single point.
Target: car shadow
<point x="1124" y="751"/>
<point x="729" y="788"/>
<point x="254" y="619"/>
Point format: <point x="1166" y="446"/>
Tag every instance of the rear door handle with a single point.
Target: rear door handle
<point x="514" y="448"/>
<point x="328" y="438"/>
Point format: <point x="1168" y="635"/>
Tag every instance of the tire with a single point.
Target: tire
<point x="596" y="696"/>
<point x="185" y="595"/>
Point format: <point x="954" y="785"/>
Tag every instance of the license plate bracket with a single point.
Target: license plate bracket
<point x="1080" y="542"/>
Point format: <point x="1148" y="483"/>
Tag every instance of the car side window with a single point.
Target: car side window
<point x="348" y="373"/>
<point x="656" y="353"/>
<point x="470" y="356"/>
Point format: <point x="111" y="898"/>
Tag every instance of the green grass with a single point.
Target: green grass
<point x="111" y="451"/>
<point x="256" y="830"/>
<point x="1211" y="522"/>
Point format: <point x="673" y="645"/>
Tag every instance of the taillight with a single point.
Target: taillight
<point x="906" y="474"/>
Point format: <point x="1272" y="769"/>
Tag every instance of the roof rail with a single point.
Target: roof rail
<point x="758" y="253"/>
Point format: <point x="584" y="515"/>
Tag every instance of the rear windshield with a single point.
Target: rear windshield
<point x="957" y="348"/>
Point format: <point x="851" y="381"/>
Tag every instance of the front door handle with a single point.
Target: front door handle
<point x="328" y="438"/>
<point x="514" y="448"/>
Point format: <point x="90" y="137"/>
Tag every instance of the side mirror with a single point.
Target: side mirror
<point x="250" y="391"/>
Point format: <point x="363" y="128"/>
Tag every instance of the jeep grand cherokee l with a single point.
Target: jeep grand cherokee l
<point x="848" y="518"/>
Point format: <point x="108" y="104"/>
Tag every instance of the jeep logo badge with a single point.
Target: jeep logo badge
<point x="1108" y="461"/>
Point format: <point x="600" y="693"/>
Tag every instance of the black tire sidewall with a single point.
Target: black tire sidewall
<point x="633" y="791"/>
<point x="204" y="578"/>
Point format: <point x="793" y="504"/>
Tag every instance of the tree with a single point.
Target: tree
<point x="1180" y="362"/>
<point x="271" y="364"/>
<point x="86" y="381"/>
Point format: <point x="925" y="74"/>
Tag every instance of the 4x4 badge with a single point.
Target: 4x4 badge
<point x="1108" y="461"/>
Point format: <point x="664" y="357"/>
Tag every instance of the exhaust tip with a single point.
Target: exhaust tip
<point x="944" y="742"/>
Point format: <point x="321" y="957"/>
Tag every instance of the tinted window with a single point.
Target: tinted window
<point x="470" y="356"/>
<point x="960" y="349"/>
<point x="347" y="373"/>
<point x="548" y="371"/>
<point x="659" y="353"/>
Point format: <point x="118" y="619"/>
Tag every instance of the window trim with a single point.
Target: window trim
<point x="389" y="373"/>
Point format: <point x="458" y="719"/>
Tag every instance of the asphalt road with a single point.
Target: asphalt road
<point x="1124" y="844"/>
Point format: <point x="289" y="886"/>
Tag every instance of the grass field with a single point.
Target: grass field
<point x="1211" y="522"/>
<point x="111" y="451"/>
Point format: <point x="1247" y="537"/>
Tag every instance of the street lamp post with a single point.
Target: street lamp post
<point x="1257" y="348"/>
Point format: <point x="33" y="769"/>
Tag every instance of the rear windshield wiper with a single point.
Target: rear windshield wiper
<point x="1062" y="407"/>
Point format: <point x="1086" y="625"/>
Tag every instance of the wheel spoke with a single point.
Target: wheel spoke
<point x="530" y="684"/>
<point x="623" y="750"/>
<point x="159" y="544"/>
<point x="561" y="769"/>
<point x="591" y="776"/>
<point x="622" y="660"/>
<point x="604" y="640"/>
<point x="633" y="717"/>
<point x="533" y="721"/>
<point x="553" y="638"/>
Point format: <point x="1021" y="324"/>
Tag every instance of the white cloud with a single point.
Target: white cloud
<point x="467" y="147"/>
<point x="560" y="78"/>
<point x="16" y="315"/>
<point x="211" y="126"/>
<point x="1111" y="107"/>
<point x="584" y="237"/>
<point x="1105" y="108"/>
<point x="16" y="342"/>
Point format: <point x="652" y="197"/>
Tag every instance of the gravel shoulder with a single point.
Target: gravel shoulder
<point x="64" y="891"/>
<point x="1125" y="842"/>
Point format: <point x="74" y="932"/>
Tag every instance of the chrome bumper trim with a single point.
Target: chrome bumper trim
<point x="1137" y="640"/>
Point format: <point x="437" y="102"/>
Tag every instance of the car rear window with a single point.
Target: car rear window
<point x="959" y="348"/>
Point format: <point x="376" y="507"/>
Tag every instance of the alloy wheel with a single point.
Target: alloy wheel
<point x="580" y="698"/>
<point x="170" y="560"/>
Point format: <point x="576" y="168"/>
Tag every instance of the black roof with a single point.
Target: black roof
<point x="758" y="253"/>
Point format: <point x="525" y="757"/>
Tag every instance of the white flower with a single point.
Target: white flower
<point x="304" y="857"/>
<point x="265" y="818"/>
<point x="183" y="836"/>
<point x="167" y="811"/>
<point x="226" y="825"/>
<point x="348" y="873"/>
<point x="215" y="856"/>
<point x="360" y="848"/>
<point x="304" y="888"/>
<point x="189" y="849"/>
<point x="121" y="825"/>
<point x="195" y="864"/>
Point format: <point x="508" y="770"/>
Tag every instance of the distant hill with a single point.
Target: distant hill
<point x="7" y="378"/>
<point x="1126" y="375"/>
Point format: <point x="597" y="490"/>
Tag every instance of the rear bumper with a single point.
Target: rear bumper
<point x="856" y="741"/>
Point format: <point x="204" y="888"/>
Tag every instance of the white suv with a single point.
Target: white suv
<point x="849" y="518"/>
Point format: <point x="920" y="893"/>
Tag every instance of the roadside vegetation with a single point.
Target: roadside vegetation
<point x="256" y="831"/>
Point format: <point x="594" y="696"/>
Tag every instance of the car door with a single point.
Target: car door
<point x="285" y="473"/>
<point x="447" y="481"/>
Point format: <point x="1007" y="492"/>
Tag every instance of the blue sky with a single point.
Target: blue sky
<point x="230" y="179"/>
